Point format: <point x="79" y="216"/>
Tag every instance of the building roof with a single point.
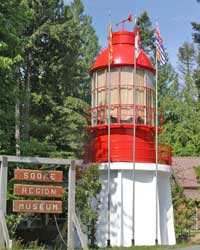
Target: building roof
<point x="185" y="176"/>
<point x="123" y="53"/>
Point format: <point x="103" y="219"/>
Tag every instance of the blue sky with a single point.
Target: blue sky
<point x="174" y="16"/>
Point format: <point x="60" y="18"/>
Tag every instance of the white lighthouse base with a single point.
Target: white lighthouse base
<point x="121" y="209"/>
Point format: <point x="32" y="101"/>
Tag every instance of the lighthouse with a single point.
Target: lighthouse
<point x="135" y="200"/>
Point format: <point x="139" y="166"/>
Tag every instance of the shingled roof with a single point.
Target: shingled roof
<point x="185" y="176"/>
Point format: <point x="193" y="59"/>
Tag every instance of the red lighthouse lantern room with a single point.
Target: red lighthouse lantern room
<point x="121" y="84"/>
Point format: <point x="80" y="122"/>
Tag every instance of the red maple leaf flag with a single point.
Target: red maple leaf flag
<point x="137" y="40"/>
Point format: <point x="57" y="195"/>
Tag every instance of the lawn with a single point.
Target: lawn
<point x="17" y="246"/>
<point x="149" y="247"/>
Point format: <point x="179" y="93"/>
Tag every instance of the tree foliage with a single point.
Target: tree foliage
<point x="179" y="101"/>
<point x="184" y="211"/>
<point x="146" y="33"/>
<point x="46" y="51"/>
<point x="87" y="199"/>
<point x="47" y="73"/>
<point x="12" y="21"/>
<point x="186" y="56"/>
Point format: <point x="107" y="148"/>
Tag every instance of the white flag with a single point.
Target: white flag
<point x="137" y="41"/>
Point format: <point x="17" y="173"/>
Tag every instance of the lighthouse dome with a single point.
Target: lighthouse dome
<point x="123" y="53"/>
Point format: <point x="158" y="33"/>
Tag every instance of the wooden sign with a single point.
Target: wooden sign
<point x="38" y="175"/>
<point x="34" y="206"/>
<point x="38" y="191"/>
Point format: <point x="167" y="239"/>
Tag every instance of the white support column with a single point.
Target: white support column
<point x="121" y="212"/>
<point x="4" y="235"/>
<point x="1" y="236"/>
<point x="1" y="229"/>
<point x="81" y="235"/>
<point x="73" y="221"/>
<point x="71" y="206"/>
<point x="3" y="184"/>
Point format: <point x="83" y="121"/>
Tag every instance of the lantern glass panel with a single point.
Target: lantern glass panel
<point x="114" y="86"/>
<point x="126" y="76"/>
<point x="101" y="78"/>
<point x="140" y="100"/>
<point x="126" y="85"/>
<point x="100" y="97"/>
<point x="140" y="77"/>
<point x="101" y="82"/>
<point x="114" y="76"/>
<point x="102" y="117"/>
<point x="113" y="115"/>
<point x="149" y="79"/>
<point x="93" y="90"/>
<point x="126" y="114"/>
<point x="140" y="97"/>
<point x="126" y="94"/>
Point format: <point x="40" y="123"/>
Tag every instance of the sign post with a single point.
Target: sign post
<point x="4" y="236"/>
<point x="73" y="221"/>
<point x="3" y="184"/>
<point x="40" y="206"/>
<point x="71" y="206"/>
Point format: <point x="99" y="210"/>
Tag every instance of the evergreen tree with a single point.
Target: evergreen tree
<point x="13" y="18"/>
<point x="184" y="211"/>
<point x="60" y="46"/>
<point x="197" y="73"/>
<point x="196" y="38"/>
<point x="186" y="56"/>
<point x="182" y="122"/>
<point x="146" y="33"/>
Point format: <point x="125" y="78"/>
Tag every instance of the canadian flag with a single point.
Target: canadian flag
<point x="137" y="40"/>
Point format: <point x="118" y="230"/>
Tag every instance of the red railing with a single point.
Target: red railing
<point x="124" y="114"/>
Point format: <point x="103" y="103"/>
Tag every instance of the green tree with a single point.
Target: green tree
<point x="196" y="34"/>
<point x="184" y="211"/>
<point x="13" y="19"/>
<point x="197" y="73"/>
<point x="196" y="38"/>
<point x="186" y="56"/>
<point x="146" y="33"/>
<point x="181" y="107"/>
<point x="60" y="47"/>
<point x="87" y="199"/>
<point x="46" y="52"/>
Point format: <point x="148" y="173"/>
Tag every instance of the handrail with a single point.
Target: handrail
<point x="144" y="115"/>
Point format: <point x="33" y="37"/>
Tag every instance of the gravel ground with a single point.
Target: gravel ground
<point x="197" y="247"/>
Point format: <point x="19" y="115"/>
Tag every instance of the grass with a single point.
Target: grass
<point x="149" y="247"/>
<point x="141" y="248"/>
<point x="33" y="245"/>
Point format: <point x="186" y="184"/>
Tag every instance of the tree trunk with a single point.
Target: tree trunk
<point x="17" y="126"/>
<point x="27" y="98"/>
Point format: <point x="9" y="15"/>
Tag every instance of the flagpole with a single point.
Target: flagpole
<point x="134" y="147"/>
<point x="156" y="153"/>
<point x="161" y="58"/>
<point x="108" y="120"/>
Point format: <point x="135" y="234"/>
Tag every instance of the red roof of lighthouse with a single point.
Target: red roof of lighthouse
<point x="123" y="53"/>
